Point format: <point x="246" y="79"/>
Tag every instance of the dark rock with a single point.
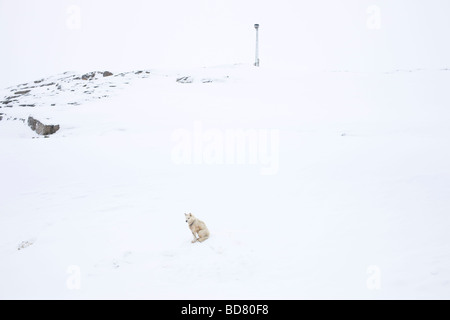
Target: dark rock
<point x="40" y="128"/>
<point x="91" y="75"/>
<point x="27" y="105"/>
<point x="8" y="102"/>
<point x="11" y="98"/>
<point x="185" y="80"/>
<point x="88" y="76"/>
<point x="22" y="92"/>
<point x="47" y="84"/>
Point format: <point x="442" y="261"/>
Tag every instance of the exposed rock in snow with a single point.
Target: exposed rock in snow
<point x="41" y="128"/>
<point x="190" y="79"/>
<point x="68" y="89"/>
<point x="185" y="80"/>
<point x="22" y="92"/>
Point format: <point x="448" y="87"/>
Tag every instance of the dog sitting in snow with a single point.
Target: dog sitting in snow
<point x="197" y="227"/>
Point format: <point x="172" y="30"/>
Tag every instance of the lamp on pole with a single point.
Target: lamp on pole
<point x="257" y="49"/>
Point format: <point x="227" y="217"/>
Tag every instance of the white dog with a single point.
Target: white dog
<point x="197" y="227"/>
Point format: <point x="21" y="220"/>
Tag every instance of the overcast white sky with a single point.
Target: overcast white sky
<point x="38" y="39"/>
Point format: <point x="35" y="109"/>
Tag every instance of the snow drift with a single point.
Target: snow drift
<point x="357" y="208"/>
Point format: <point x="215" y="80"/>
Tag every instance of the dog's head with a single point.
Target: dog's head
<point x="189" y="218"/>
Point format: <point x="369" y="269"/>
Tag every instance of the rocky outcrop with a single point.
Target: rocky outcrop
<point x="69" y="88"/>
<point x="189" y="79"/>
<point x="8" y="101"/>
<point x="92" y="75"/>
<point x="41" y="128"/>
<point x="185" y="80"/>
<point x="88" y="76"/>
<point x="22" y="92"/>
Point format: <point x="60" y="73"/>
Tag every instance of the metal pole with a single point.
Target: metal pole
<point x="257" y="49"/>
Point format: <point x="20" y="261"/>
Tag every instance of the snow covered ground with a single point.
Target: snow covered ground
<point x="342" y="193"/>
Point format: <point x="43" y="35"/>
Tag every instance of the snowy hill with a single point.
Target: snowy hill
<point x="313" y="185"/>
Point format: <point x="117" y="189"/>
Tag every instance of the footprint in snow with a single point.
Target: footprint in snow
<point x="115" y="264"/>
<point x="25" y="244"/>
